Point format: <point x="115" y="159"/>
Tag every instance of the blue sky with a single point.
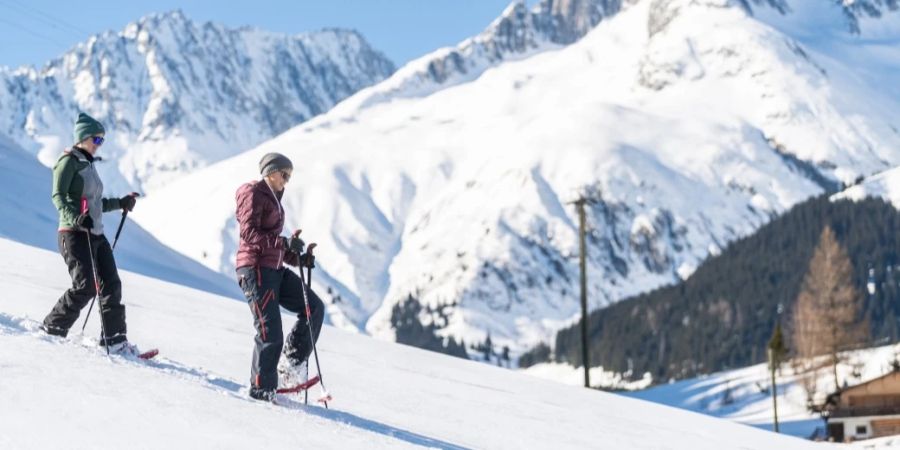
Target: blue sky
<point x="34" y="31"/>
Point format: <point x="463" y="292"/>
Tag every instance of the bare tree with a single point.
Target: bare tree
<point x="808" y="377"/>
<point x="806" y="326"/>
<point x="828" y="313"/>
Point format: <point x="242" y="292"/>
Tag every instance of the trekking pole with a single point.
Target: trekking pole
<point x="118" y="232"/>
<point x="84" y="210"/>
<point x="122" y="222"/>
<point x="325" y="395"/>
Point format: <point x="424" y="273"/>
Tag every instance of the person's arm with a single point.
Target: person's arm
<point x="249" y="217"/>
<point x="110" y="204"/>
<point x="63" y="174"/>
<point x="127" y="202"/>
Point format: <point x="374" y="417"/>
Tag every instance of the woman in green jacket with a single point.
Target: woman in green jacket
<point x="78" y="197"/>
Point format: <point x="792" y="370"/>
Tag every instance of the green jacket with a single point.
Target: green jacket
<point x="74" y="178"/>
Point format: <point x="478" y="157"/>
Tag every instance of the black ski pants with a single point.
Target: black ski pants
<point x="73" y="246"/>
<point x="267" y="289"/>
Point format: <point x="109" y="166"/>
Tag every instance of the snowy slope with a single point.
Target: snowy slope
<point x="177" y="95"/>
<point x="519" y="32"/>
<point x="386" y="395"/>
<point x="30" y="218"/>
<point x="691" y="123"/>
<point x="885" y="185"/>
<point x="744" y="395"/>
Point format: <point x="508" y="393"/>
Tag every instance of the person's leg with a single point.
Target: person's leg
<point x="261" y="287"/>
<point x="73" y="246"/>
<point x="298" y="346"/>
<point x="112" y="311"/>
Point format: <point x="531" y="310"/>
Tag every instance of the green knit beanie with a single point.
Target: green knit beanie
<point x="85" y="127"/>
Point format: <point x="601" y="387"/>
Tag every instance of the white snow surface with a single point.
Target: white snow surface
<point x="744" y="395"/>
<point x="690" y="122"/>
<point x="884" y="185"/>
<point x="385" y="395"/>
<point x="599" y="378"/>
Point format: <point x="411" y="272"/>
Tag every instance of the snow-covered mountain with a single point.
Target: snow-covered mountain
<point x="689" y="123"/>
<point x="177" y="95"/>
<point x="519" y="32"/>
<point x="193" y="396"/>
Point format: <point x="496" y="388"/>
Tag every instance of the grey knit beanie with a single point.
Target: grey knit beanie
<point x="273" y="162"/>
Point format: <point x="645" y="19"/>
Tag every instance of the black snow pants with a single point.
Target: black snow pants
<point x="267" y="289"/>
<point x="73" y="246"/>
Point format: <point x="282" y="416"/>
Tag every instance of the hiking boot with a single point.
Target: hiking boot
<point x="291" y="373"/>
<point x="265" y="395"/>
<point x="124" y="348"/>
<point x="54" y="331"/>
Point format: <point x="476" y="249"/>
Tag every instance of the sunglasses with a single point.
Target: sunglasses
<point x="97" y="140"/>
<point x="286" y="176"/>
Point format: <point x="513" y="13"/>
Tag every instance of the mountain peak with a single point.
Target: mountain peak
<point x="172" y="17"/>
<point x="566" y="21"/>
<point x="199" y="91"/>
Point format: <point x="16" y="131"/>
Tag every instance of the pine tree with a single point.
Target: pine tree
<point x="488" y="348"/>
<point x="827" y="314"/>
<point x="777" y="346"/>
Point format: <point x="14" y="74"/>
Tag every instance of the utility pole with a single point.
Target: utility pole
<point x="776" y="351"/>
<point x="772" y="366"/>
<point x="584" y="313"/>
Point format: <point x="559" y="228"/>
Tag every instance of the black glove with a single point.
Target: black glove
<point x="308" y="260"/>
<point x="127" y="202"/>
<point x="295" y="244"/>
<point x="84" y="221"/>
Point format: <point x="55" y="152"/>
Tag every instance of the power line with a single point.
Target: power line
<point x="31" y="32"/>
<point x="44" y="17"/>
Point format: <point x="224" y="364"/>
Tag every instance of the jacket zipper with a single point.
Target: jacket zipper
<point x="277" y="238"/>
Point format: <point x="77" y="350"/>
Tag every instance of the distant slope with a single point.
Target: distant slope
<point x="885" y="185"/>
<point x="744" y="395"/>
<point x="386" y="395"/>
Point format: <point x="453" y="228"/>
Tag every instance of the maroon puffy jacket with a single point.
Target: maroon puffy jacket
<point x="261" y="219"/>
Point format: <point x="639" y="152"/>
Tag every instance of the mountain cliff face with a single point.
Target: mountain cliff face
<point x="177" y="95"/>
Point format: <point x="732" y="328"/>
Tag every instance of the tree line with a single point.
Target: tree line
<point x="827" y="271"/>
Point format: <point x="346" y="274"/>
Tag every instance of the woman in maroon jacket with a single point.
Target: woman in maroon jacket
<point x="268" y="284"/>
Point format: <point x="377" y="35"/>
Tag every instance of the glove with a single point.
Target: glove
<point x="84" y="221"/>
<point x="308" y="260"/>
<point x="295" y="244"/>
<point x="127" y="202"/>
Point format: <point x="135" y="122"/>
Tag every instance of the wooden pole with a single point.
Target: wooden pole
<point x="584" y="313"/>
<point x="772" y="366"/>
